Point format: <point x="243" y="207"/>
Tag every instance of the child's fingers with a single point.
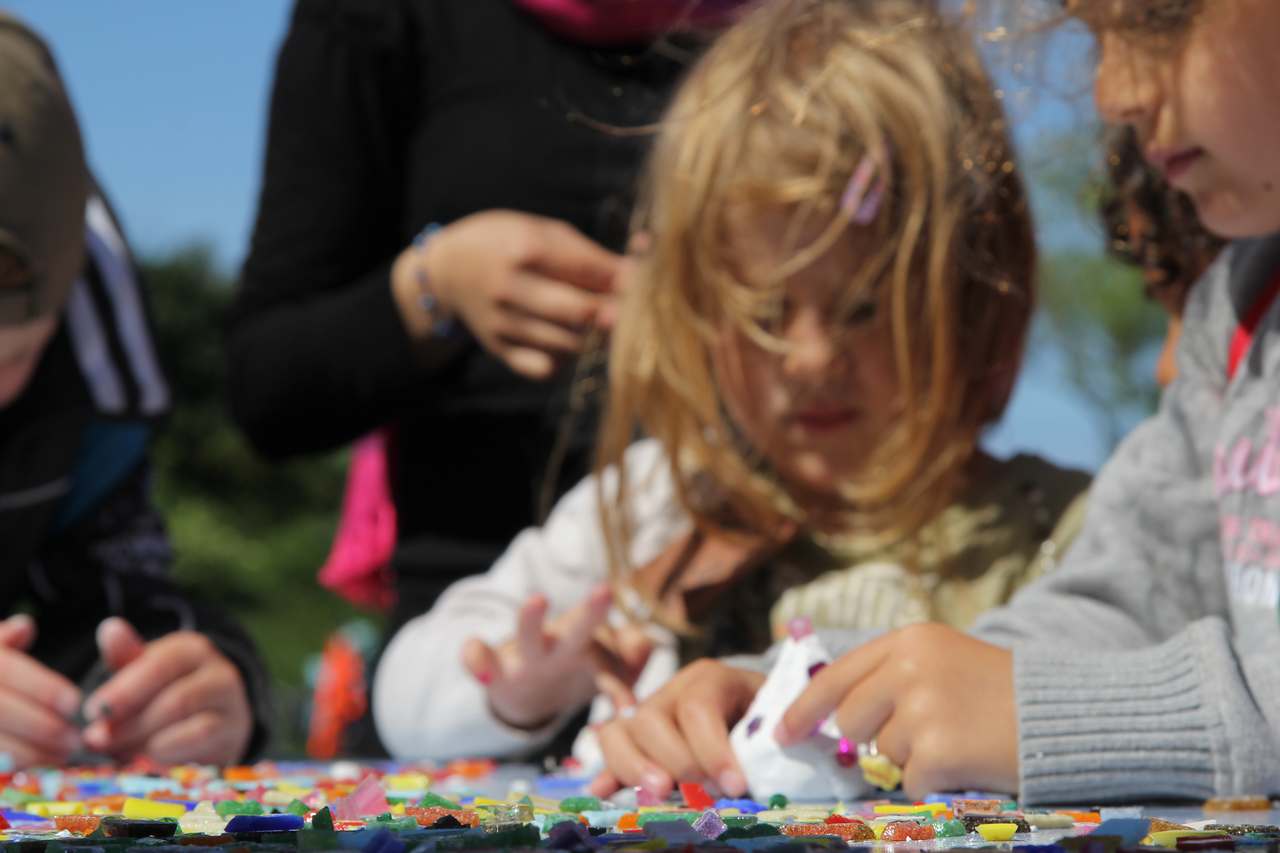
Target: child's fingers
<point x="603" y="785"/>
<point x="25" y="754"/>
<point x="614" y="689"/>
<point x="705" y="729"/>
<point x="581" y="624"/>
<point x="627" y="764"/>
<point x="530" y="637"/>
<point x="203" y="738"/>
<point x="18" y="632"/>
<point x="205" y="689"/>
<point x="656" y="734"/>
<point x="864" y="711"/>
<point x="827" y="689"/>
<point x="481" y="661"/>
<point x="118" y="643"/>
<point x="46" y="731"/>
<point x="38" y="683"/>
<point x="137" y="685"/>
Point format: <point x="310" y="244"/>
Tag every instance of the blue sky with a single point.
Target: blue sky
<point x="172" y="97"/>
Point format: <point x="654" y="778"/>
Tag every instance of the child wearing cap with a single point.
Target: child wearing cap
<point x="100" y="651"/>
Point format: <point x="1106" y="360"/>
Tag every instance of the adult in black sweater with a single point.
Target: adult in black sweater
<point x="390" y="115"/>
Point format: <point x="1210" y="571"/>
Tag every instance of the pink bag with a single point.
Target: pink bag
<point x="359" y="564"/>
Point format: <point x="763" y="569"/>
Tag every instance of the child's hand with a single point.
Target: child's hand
<point x="938" y="703"/>
<point x="548" y="668"/>
<point x="36" y="703"/>
<point x="176" y="700"/>
<point x="680" y="734"/>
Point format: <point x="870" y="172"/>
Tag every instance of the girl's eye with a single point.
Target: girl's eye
<point x="779" y="316"/>
<point x="860" y="314"/>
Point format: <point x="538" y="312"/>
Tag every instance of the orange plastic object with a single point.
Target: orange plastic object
<point x="79" y="824"/>
<point x="240" y="774"/>
<point x="629" y="822"/>
<point x="112" y="803"/>
<point x="471" y="769"/>
<point x="857" y="831"/>
<point x="839" y="818"/>
<point x="907" y="830"/>
<point x="340" y="699"/>
<point x="1084" y="817"/>
<point x="1251" y="803"/>
<point x="427" y="817"/>
<point x="344" y="825"/>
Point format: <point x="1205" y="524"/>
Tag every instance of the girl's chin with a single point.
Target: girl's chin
<point x="1236" y="217"/>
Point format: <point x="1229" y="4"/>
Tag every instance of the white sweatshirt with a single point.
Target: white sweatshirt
<point x="427" y="706"/>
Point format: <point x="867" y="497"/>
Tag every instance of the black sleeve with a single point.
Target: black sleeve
<point x="116" y="562"/>
<point x="318" y="354"/>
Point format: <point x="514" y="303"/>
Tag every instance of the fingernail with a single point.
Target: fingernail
<point x="485" y="678"/>
<point x="68" y="703"/>
<point x="732" y="783"/>
<point x="96" y="735"/>
<point x="654" y="783"/>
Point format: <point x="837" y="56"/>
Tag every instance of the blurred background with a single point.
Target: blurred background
<point x="173" y="100"/>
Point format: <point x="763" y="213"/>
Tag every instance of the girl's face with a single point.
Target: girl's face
<point x="1203" y="94"/>
<point x="816" y="409"/>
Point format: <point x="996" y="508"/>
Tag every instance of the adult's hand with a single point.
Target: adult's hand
<point x="530" y="289"/>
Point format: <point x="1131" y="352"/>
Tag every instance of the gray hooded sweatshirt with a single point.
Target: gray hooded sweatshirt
<point x="1148" y="664"/>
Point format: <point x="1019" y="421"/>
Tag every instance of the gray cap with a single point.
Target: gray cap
<point x="44" y="180"/>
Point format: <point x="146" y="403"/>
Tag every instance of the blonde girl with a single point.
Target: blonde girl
<point x="1145" y="666"/>
<point x="831" y="307"/>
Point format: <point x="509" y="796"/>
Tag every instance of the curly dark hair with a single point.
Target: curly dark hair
<point x="1174" y="248"/>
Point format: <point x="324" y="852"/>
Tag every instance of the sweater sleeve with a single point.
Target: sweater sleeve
<point x="318" y="354"/>
<point x="438" y="711"/>
<point x="1128" y="680"/>
<point x="1147" y="562"/>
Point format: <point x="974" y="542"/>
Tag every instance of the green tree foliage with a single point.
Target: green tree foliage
<point x="1107" y="331"/>
<point x="248" y="534"/>
<point x="1093" y="305"/>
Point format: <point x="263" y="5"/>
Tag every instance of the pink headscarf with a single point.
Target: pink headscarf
<point x="624" y="21"/>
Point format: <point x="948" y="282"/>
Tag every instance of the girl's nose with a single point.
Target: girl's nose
<point x="811" y="349"/>
<point x="1127" y="86"/>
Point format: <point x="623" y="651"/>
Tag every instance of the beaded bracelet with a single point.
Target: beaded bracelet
<point x="442" y="322"/>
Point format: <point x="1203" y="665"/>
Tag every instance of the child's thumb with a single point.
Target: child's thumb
<point x="634" y="646"/>
<point x="118" y="643"/>
<point x="18" y="632"/>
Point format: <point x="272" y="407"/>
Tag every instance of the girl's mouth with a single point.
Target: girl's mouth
<point x="824" y="419"/>
<point x="1174" y="162"/>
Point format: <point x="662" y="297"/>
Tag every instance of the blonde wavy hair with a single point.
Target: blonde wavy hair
<point x="777" y="116"/>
